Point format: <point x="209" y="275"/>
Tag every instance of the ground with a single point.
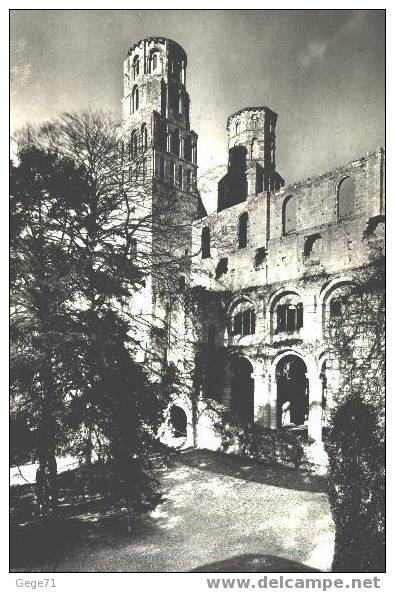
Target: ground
<point x="218" y="514"/>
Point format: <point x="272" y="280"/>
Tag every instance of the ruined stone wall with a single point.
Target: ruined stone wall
<point x="342" y="240"/>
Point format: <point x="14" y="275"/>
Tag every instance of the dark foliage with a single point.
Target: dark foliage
<point x="74" y="382"/>
<point x="259" y="443"/>
<point x="356" y="440"/>
<point x="357" y="487"/>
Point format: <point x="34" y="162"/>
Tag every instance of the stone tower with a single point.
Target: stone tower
<point x="252" y="156"/>
<point x="160" y="160"/>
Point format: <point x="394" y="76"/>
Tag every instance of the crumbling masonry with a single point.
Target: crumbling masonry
<point x="246" y="325"/>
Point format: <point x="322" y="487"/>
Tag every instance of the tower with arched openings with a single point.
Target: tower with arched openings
<point x="159" y="178"/>
<point x="269" y="266"/>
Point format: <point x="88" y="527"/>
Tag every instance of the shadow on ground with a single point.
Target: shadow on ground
<point x="211" y="506"/>
<point x="87" y="516"/>
<point x="254" y="471"/>
<point x="255" y="564"/>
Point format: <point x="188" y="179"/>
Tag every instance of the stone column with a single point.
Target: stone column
<point x="227" y="386"/>
<point x="262" y="406"/>
<point x="316" y="452"/>
<point x="315" y="407"/>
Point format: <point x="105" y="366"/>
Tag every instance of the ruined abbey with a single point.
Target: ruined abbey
<point x="245" y="322"/>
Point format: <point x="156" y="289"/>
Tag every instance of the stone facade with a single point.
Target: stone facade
<point x="262" y="273"/>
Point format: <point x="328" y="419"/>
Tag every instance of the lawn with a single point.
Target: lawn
<point x="218" y="513"/>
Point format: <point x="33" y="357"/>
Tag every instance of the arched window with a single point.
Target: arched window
<point x="237" y="127"/>
<point x="180" y="103"/>
<point x="144" y="136"/>
<point x="182" y="72"/>
<point x="135" y="99"/>
<point x="175" y="142"/>
<point x="187" y="148"/>
<point x="243" y="230"/>
<point x="194" y="153"/>
<point x="243" y="319"/>
<point x="313" y="247"/>
<point x="154" y="61"/>
<point x="180" y="176"/>
<point x="254" y="148"/>
<point x="133" y="144"/>
<point x="345" y="197"/>
<point x="182" y="148"/>
<point x="136" y="67"/>
<point x="205" y="242"/>
<point x="289" y="317"/>
<point x="254" y="121"/>
<point x="172" y="172"/>
<point x="289" y="214"/>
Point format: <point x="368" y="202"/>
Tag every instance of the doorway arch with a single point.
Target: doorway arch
<point x="242" y="388"/>
<point x="178" y="421"/>
<point x="292" y="391"/>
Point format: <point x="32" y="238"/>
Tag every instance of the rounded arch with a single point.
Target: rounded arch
<point x="330" y="306"/>
<point x="242" y="387"/>
<point x="286" y="312"/>
<point x="308" y="360"/>
<point x="280" y="292"/>
<point x="254" y="120"/>
<point x="136" y="66"/>
<point x="237" y="126"/>
<point x="289" y="214"/>
<point x="154" y="60"/>
<point x="242" y="318"/>
<point x="135" y="98"/>
<point x="236" y="301"/>
<point x="345" y="196"/>
<point x="290" y="373"/>
<point x="178" y="421"/>
<point x="243" y="230"/>
<point x="332" y="285"/>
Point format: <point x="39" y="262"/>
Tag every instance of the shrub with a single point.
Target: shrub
<point x="259" y="443"/>
<point x="356" y="484"/>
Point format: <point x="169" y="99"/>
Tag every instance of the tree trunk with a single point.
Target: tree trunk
<point x="46" y="475"/>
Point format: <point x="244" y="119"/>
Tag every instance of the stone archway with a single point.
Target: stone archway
<point x="242" y="388"/>
<point x="178" y="421"/>
<point x="292" y="391"/>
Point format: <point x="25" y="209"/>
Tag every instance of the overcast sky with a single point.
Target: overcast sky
<point x="322" y="71"/>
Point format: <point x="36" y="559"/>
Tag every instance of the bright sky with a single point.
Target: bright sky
<point x="322" y="71"/>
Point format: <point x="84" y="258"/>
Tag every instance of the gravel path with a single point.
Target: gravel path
<point x="213" y="522"/>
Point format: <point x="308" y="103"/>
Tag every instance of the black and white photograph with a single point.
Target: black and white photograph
<point x="197" y="294"/>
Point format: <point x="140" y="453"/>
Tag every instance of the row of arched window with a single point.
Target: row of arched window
<point x="174" y="142"/>
<point x="345" y="206"/>
<point x="313" y="244"/>
<point x="176" y="66"/>
<point x="134" y="100"/>
<point x="243" y="235"/>
<point x="135" y="67"/>
<point x="138" y="141"/>
<point x="287" y="313"/>
<point x="345" y="203"/>
<point x="254" y="123"/>
<point x="175" y="174"/>
<point x="137" y="172"/>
